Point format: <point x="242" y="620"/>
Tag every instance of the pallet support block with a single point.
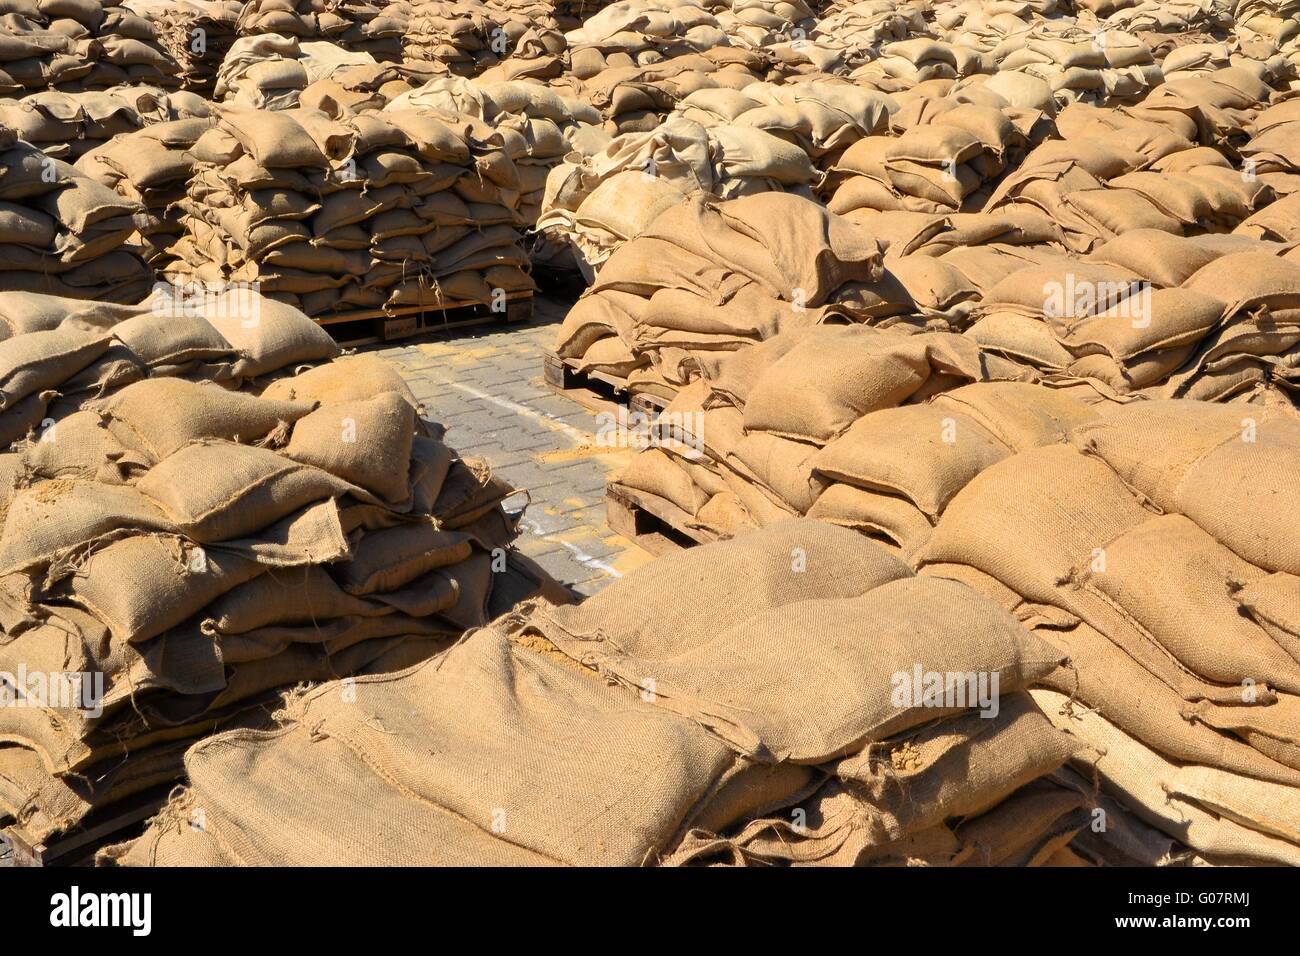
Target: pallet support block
<point x="652" y="523"/>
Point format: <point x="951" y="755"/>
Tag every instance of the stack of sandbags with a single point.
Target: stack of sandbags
<point x="987" y="26"/>
<point x="152" y="167"/>
<point x="372" y="210"/>
<point x="129" y="48"/>
<point x="376" y="27"/>
<point x="637" y="98"/>
<point x="459" y="37"/>
<point x="199" y="551"/>
<point x="866" y="428"/>
<point x="945" y="160"/>
<point x="537" y="48"/>
<point x="303" y="19"/>
<point x="69" y="125"/>
<point x="641" y="32"/>
<point x="851" y="34"/>
<point x="842" y="758"/>
<point x="709" y="277"/>
<point x="269" y="71"/>
<point x="33" y="58"/>
<point x="362" y="87"/>
<point x="1082" y="65"/>
<point x="760" y="24"/>
<point x="79" y="45"/>
<point x="1219" y="107"/>
<point x="1166" y="26"/>
<point x="61" y="232"/>
<point x="197" y="34"/>
<point x="822" y="118"/>
<point x="1151" y="552"/>
<point x="608" y="191"/>
<point x="66" y="353"/>
<point x="1193" y="58"/>
<point x="535" y="122"/>
<point x="570" y="14"/>
<point x="1272" y="20"/>
<point x="906" y="63"/>
<point x="1211" y="317"/>
<point x="1273" y="152"/>
<point x="1096" y="186"/>
<point x="261" y="72"/>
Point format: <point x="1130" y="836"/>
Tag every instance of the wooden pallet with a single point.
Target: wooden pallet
<point x="78" y="847"/>
<point x="370" y="326"/>
<point x="652" y="523"/>
<point x="597" y="391"/>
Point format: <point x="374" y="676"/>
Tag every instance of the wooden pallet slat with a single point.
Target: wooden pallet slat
<point x="100" y="829"/>
<point x="597" y="392"/>
<point x="372" y="326"/>
<point x="652" y="523"/>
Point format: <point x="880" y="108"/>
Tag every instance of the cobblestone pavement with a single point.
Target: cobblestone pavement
<point x="485" y="384"/>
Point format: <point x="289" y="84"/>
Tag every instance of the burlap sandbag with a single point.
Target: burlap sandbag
<point x="479" y="804"/>
<point x="345" y="379"/>
<point x="922" y="453"/>
<point x="1175" y="582"/>
<point x="40" y="360"/>
<point x="159" y="416"/>
<point x="735" y="578"/>
<point x="366" y="442"/>
<point x="1142" y="779"/>
<point x="734" y="704"/>
<point x="950" y="768"/>
<point x="833" y="375"/>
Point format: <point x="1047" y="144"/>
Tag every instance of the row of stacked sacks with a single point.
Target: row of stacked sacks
<point x="1164" y="165"/>
<point x="208" y="512"/>
<point x="537" y="124"/>
<point x="69" y="125"/>
<point x="764" y="24"/>
<point x="996" y="144"/>
<point x="1080" y="61"/>
<point x="872" y="429"/>
<point x="707" y="279"/>
<point x="660" y="331"/>
<point x="63" y="233"/>
<point x="847" y="36"/>
<point x="360" y="87"/>
<point x="375" y="27"/>
<point x="369" y="210"/>
<point x="153" y="168"/>
<point x="1192" y="58"/>
<point x="1148" y="314"/>
<point x="833" y="761"/>
<point x="78" y="45"/>
<point x="515" y="38"/>
<point x="1275" y="20"/>
<point x="1164" y="25"/>
<point x="609" y="191"/>
<point x="197" y="34"/>
<point x="1151" y="551"/>
<point x="823" y="116"/>
<point x="639" y="98"/>
<point x="865" y="426"/>
<point x="270" y="71"/>
<point x="633" y="33"/>
<point x="946" y="156"/>
<point x="1272" y="154"/>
